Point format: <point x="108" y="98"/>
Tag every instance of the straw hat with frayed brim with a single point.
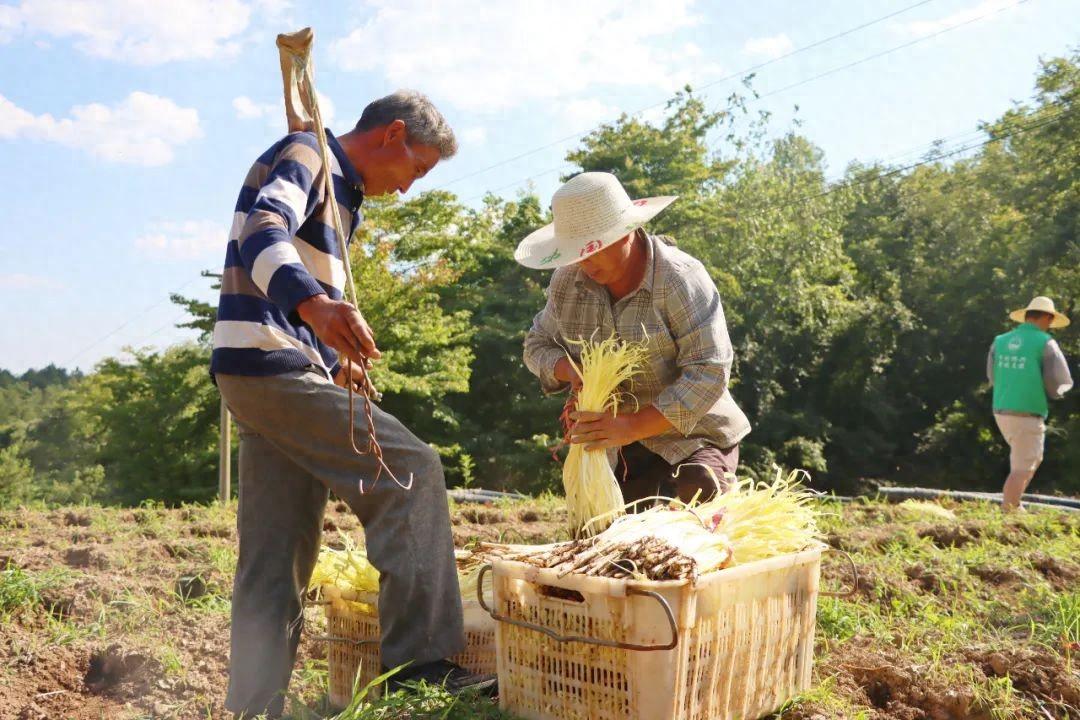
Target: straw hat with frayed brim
<point x="1041" y="304"/>
<point x="591" y="211"/>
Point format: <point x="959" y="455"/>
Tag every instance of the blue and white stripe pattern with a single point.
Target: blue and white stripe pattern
<point x="282" y="250"/>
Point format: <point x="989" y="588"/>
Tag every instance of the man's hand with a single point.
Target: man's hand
<point x="599" y="431"/>
<point x="565" y="372"/>
<point x="341" y="379"/>
<point x="341" y="326"/>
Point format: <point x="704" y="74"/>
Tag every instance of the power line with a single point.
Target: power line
<point x="1035" y="124"/>
<point x="127" y="322"/>
<point x="726" y="78"/>
<point x="880" y="54"/>
<point x="171" y="323"/>
<point x="942" y="142"/>
<point x="800" y="83"/>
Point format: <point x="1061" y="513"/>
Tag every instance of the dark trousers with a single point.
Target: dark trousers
<point x="642" y="473"/>
<point x="294" y="449"/>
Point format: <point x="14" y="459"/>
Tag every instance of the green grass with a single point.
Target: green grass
<point x="18" y="590"/>
<point x="420" y="700"/>
<point x="937" y="597"/>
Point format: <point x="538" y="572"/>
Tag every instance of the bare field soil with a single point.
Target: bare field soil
<point x="124" y="613"/>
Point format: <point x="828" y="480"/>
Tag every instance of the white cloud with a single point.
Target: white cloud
<point x="929" y="27"/>
<point x="10" y="23"/>
<point x="585" y="113"/>
<point x="326" y="107"/>
<point x="23" y="281"/>
<point x="248" y="109"/>
<point x="13" y="119"/>
<point x="189" y="240"/>
<point x="136" y="31"/>
<point x="275" y="12"/>
<point x="769" y="47"/>
<point x="143" y="129"/>
<point x="473" y="135"/>
<point x="485" y="56"/>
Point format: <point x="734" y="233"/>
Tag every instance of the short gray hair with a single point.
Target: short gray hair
<point x="424" y="124"/>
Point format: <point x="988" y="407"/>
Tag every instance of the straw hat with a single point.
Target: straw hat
<point x="591" y="210"/>
<point x="1042" y="304"/>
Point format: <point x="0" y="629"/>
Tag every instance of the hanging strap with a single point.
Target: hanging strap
<point x="302" y="114"/>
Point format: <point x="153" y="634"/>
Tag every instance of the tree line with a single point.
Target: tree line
<point x="861" y="309"/>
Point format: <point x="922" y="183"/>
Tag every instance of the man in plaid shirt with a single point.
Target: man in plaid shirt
<point x="613" y="277"/>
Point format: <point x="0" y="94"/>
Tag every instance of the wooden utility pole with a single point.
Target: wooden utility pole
<point x="225" y="456"/>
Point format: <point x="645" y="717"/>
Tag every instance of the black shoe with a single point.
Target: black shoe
<point x="452" y="677"/>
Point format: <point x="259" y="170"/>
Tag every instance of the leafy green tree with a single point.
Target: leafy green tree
<point x="403" y="256"/>
<point x="16" y="476"/>
<point x="156" y="417"/>
<point x="507" y="426"/>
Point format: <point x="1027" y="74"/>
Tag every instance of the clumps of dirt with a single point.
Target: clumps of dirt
<point x="181" y="551"/>
<point x="1036" y="672"/>
<point x="144" y="516"/>
<point x="79" y="519"/>
<point x="45" y="682"/>
<point x="878" y="677"/>
<point x="339" y="523"/>
<point x="209" y="530"/>
<point x="869" y="539"/>
<point x="997" y="576"/>
<point x="11" y="520"/>
<point x="951" y="535"/>
<point x="528" y="516"/>
<point x="83" y="557"/>
<point x="58" y="604"/>
<point x="1059" y="573"/>
<point x="117" y="672"/>
<point x="190" y="587"/>
<point x="836" y="576"/>
<point x="927" y="579"/>
<point x="481" y="515"/>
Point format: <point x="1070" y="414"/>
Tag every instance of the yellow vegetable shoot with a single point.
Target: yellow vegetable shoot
<point x="589" y="482"/>
<point x="763" y="520"/>
<point x="676" y="541"/>
<point x="345" y="575"/>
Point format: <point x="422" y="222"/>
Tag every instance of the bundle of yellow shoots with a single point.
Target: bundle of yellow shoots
<point x="764" y="520"/>
<point x="348" y="576"/>
<point x="345" y="575"/>
<point x="679" y="541"/>
<point x="591" y="488"/>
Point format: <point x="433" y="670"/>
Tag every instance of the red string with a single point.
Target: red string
<point x="373" y="447"/>
<point x="568" y="425"/>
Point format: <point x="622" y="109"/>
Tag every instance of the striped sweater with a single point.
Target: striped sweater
<point x="282" y="250"/>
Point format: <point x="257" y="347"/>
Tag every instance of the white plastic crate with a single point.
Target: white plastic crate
<point x="353" y="644"/>
<point x="735" y="646"/>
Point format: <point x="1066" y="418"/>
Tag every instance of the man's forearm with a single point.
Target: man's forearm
<point x="649" y="422"/>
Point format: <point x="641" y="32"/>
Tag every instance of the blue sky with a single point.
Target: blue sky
<point x="126" y="126"/>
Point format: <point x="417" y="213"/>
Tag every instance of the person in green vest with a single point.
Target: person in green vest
<point x="1025" y="367"/>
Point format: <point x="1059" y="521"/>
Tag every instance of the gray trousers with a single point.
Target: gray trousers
<point x="294" y="449"/>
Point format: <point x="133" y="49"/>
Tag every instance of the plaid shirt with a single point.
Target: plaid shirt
<point x="678" y="308"/>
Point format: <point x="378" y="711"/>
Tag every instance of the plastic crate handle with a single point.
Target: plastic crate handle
<point x="577" y="638"/>
<point x="854" y="580"/>
<point x="346" y="641"/>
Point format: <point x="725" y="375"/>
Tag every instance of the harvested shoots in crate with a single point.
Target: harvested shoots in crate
<point x="344" y="574"/>
<point x="763" y="520"/>
<point x="348" y="575"/>
<point x="674" y="542"/>
<point x="591" y="488"/>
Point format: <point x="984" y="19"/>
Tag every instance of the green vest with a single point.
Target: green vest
<point x="1018" y="378"/>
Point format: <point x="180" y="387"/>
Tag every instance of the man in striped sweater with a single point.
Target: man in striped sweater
<point x="281" y="324"/>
